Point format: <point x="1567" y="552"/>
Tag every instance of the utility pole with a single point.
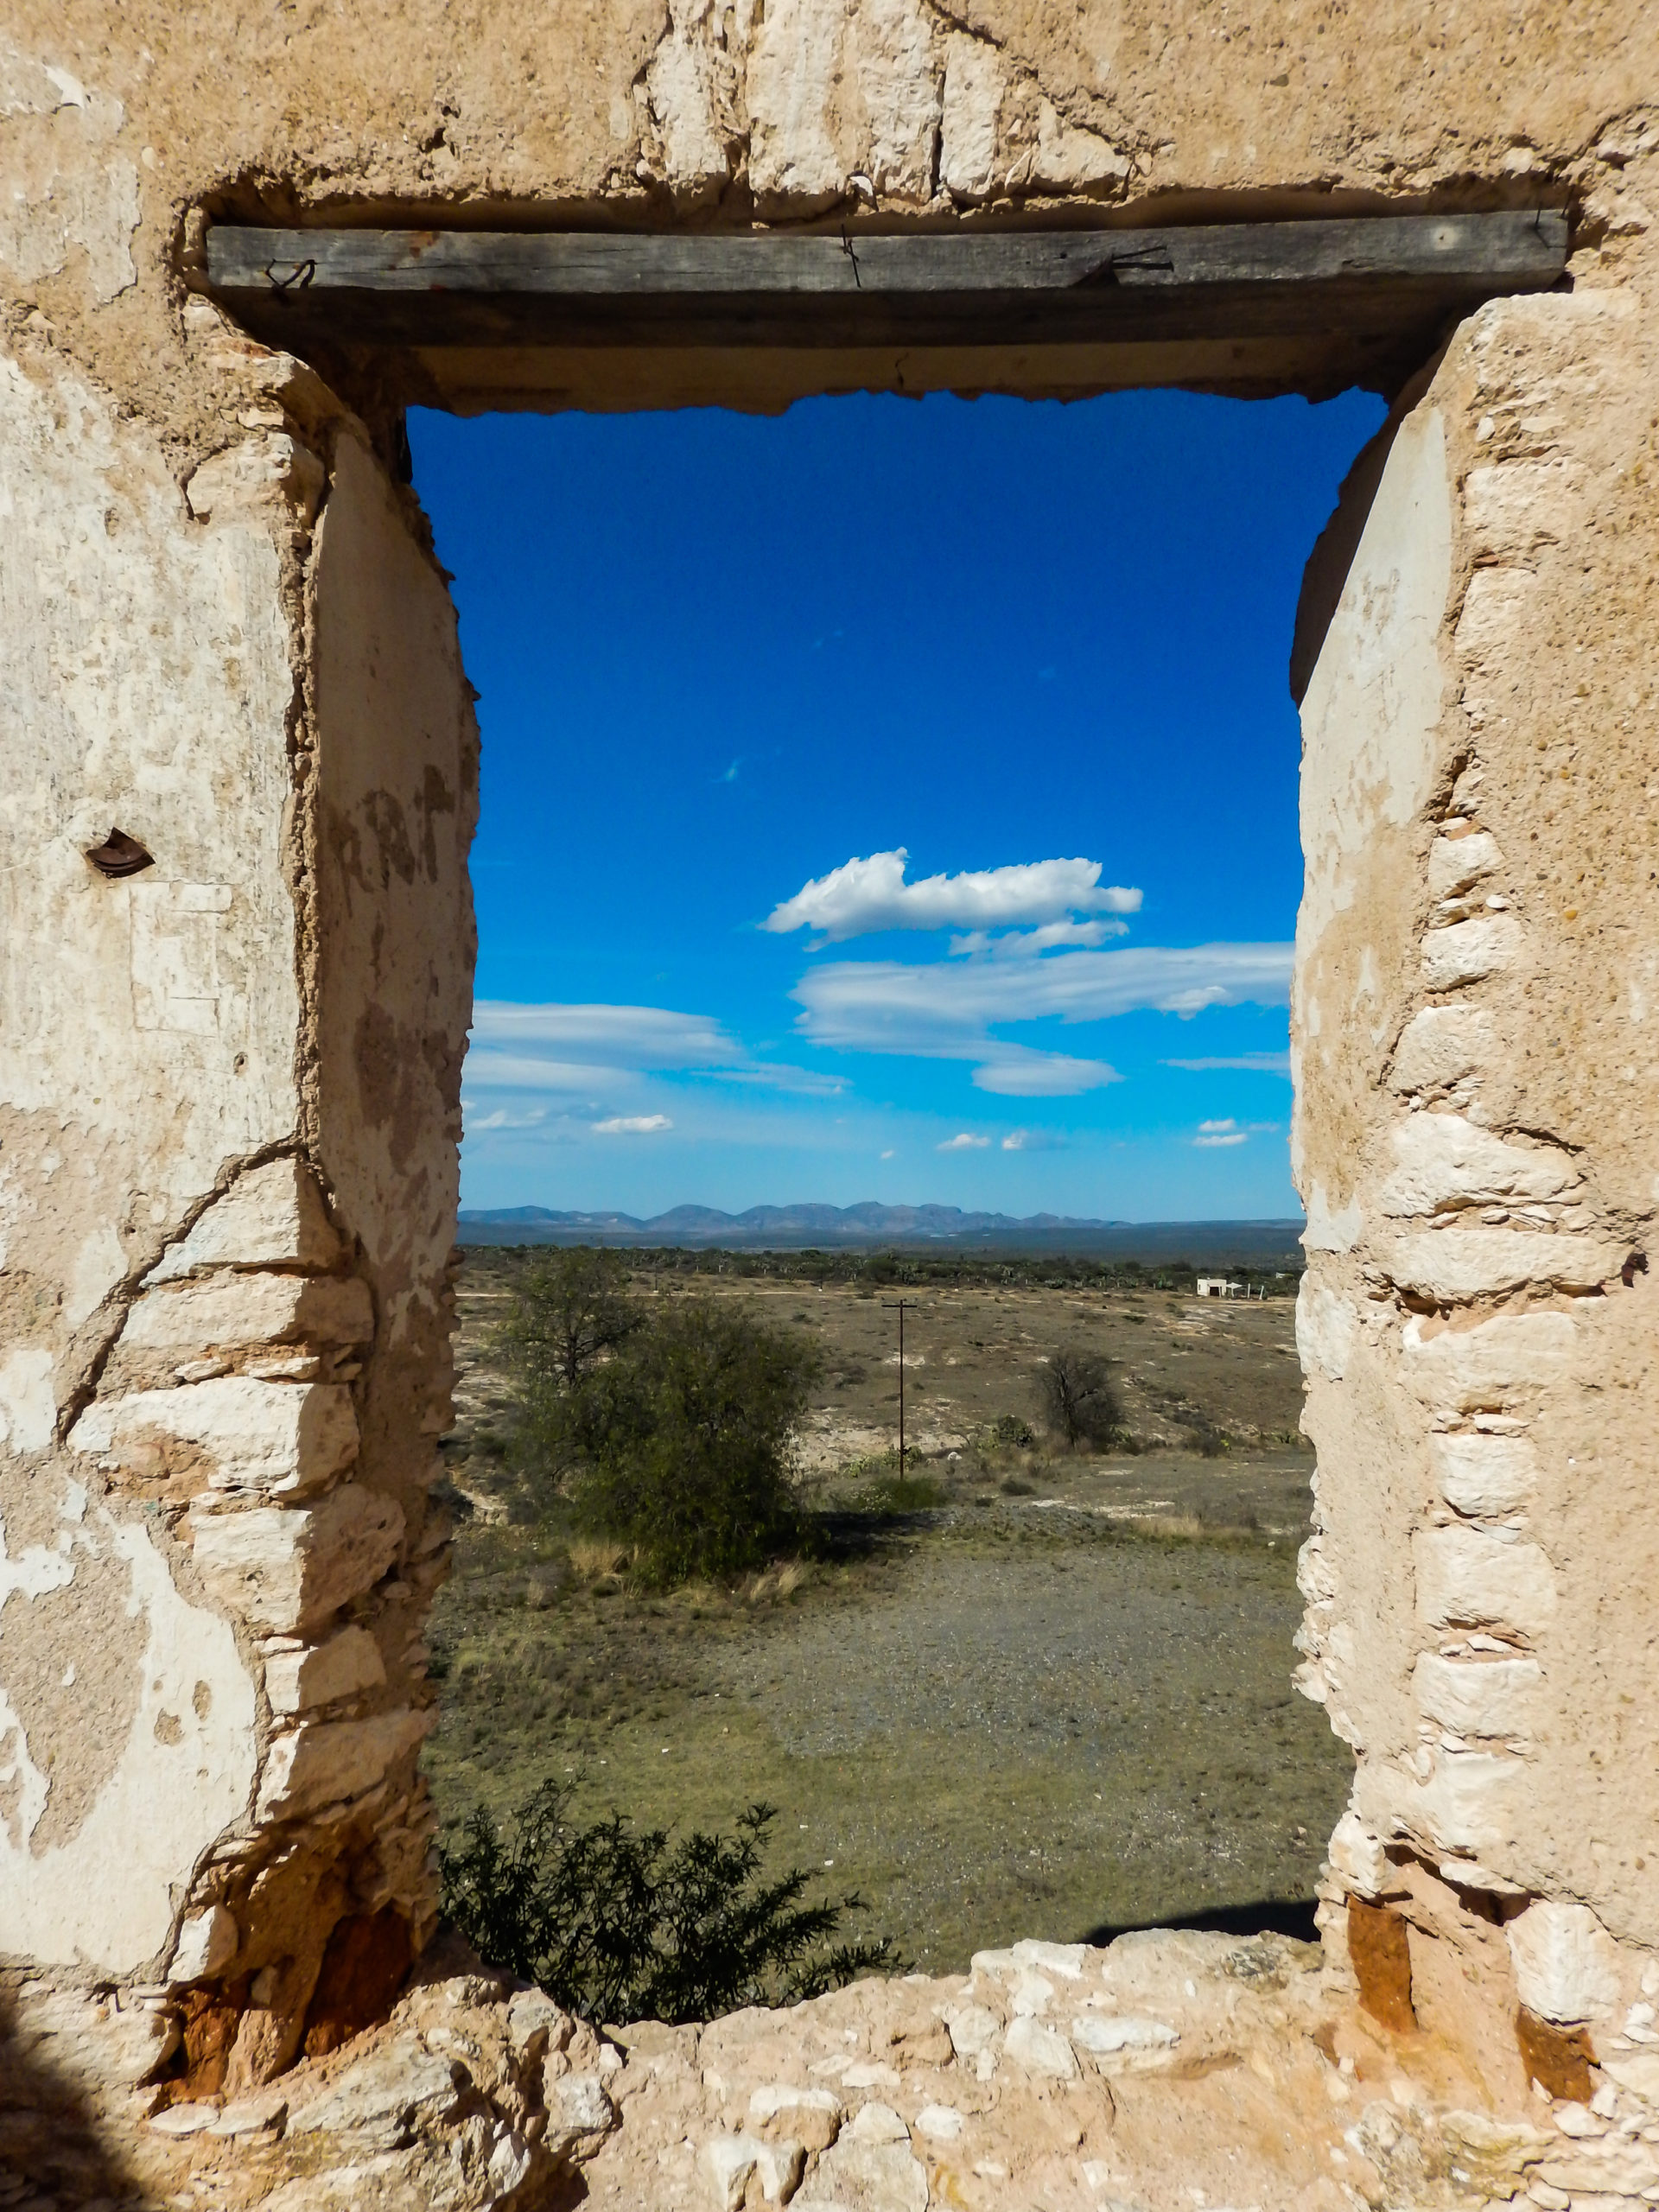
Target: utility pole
<point x="901" y="1306"/>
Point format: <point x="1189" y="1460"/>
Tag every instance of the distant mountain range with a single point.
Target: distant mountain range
<point x="792" y="1228"/>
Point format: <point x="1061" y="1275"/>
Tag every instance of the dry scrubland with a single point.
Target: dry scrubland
<point x="1057" y="1698"/>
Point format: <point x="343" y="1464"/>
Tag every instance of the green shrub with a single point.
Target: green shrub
<point x="1079" y="1401"/>
<point x="668" y="1427"/>
<point x="620" y="1926"/>
<point x="891" y="1495"/>
<point x="681" y="1444"/>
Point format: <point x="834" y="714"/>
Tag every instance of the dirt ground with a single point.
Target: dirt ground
<point x="1055" y="1699"/>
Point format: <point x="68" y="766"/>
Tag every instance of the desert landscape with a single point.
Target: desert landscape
<point x="1020" y="1686"/>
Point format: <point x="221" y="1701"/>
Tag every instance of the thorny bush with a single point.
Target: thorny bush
<point x="618" y="1925"/>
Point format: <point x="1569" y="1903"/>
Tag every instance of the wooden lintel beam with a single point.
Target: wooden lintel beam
<point x="1379" y="277"/>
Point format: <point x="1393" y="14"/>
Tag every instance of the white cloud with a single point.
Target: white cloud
<point x="1034" y="1140"/>
<point x="503" y="1118"/>
<point x="963" y="1142"/>
<point x="1016" y="1072"/>
<point x="1255" y="1063"/>
<point x="869" y="894"/>
<point x="1215" y="1133"/>
<point x="1026" y="944"/>
<point x="631" y="1125"/>
<point x="524" y="1072"/>
<point x="811" y="1082"/>
<point x="595" y="1051"/>
<point x="609" y="1036"/>
<point x="948" y="1009"/>
<point x="888" y="1155"/>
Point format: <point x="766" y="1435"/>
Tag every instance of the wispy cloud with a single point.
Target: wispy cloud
<point x="1213" y="1133"/>
<point x="1026" y="944"/>
<point x="1255" y="1063"/>
<point x="950" y="1009"/>
<point x="809" y="1083"/>
<point x="487" y="1070"/>
<point x="1034" y="1140"/>
<point x="609" y="1036"/>
<point x="869" y="894"/>
<point x="632" y="1125"/>
<point x="1016" y="1072"/>
<point x="502" y="1117"/>
<point x="590" y="1052"/>
<point x="964" y="1141"/>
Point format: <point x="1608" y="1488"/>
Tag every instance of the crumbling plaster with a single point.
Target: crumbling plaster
<point x="230" y="1083"/>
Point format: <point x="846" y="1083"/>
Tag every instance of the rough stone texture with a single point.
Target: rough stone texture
<point x="229" y="1089"/>
<point x="1197" y="2068"/>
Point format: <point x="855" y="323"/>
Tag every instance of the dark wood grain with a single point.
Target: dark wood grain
<point x="1377" y="275"/>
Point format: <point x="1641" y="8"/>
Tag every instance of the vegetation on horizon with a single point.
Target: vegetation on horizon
<point x="879" y="1269"/>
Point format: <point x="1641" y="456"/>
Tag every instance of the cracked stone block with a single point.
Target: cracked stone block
<point x="1478" y="1696"/>
<point x="286" y="1568"/>
<point x="1468" y="1579"/>
<point x="1484" y="1476"/>
<point x="326" y="1761"/>
<point x="271" y="1216"/>
<point x="381" y="2102"/>
<point x="345" y="1666"/>
<point x="1486" y="1367"/>
<point x="283" y="1439"/>
<point x="1040" y="2050"/>
<point x="868" y="2177"/>
<point x="1451" y="1264"/>
<point x="1566" y="1964"/>
<point x="1467" y="952"/>
<point x="231" y="1309"/>
<point x="1441" y="1160"/>
<point x="1440" y="1045"/>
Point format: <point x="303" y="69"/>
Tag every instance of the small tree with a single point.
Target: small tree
<point x="1079" y="1400"/>
<point x="570" y="1310"/>
<point x="620" y="1926"/>
<point x="683" y="1442"/>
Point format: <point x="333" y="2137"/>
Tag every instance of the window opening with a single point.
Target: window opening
<point x="893" y="805"/>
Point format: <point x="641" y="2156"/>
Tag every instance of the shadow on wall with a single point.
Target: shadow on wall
<point x="49" y="2127"/>
<point x="1265" y="1916"/>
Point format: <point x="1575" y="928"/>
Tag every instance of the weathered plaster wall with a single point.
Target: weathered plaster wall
<point x="224" y="636"/>
<point x="1477" y="1124"/>
<point x="229" y="1112"/>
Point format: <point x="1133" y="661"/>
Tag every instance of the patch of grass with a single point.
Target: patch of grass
<point x="1011" y="1486"/>
<point x="592" y="1557"/>
<point x="890" y="1496"/>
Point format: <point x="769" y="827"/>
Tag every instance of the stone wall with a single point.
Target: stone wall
<point x="229" y="1090"/>
<point x="230" y="1129"/>
<point x="1476" y="1123"/>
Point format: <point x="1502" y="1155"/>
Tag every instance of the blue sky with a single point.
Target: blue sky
<point x="888" y="800"/>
